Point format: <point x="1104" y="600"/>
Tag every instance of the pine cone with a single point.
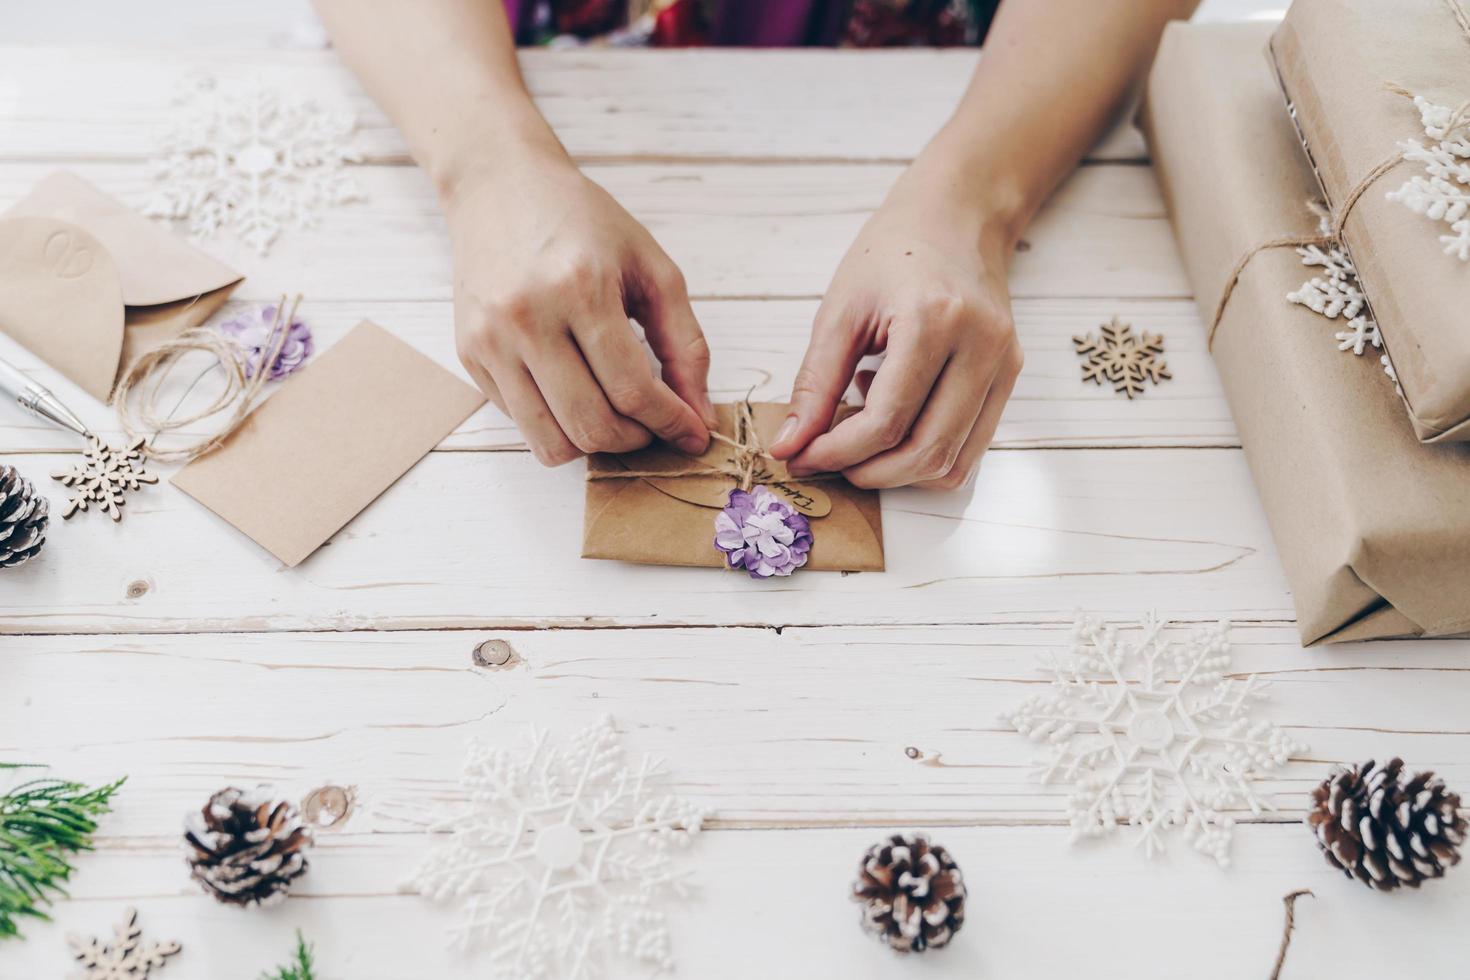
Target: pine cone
<point x="244" y="848"/>
<point x="1384" y="829"/>
<point x="913" y="893"/>
<point x="22" y="518"/>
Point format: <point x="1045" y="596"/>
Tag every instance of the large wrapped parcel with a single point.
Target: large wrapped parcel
<point x="1349" y="69"/>
<point x="1373" y="527"/>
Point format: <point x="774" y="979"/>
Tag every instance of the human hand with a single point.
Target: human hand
<point x="548" y="269"/>
<point x="925" y="284"/>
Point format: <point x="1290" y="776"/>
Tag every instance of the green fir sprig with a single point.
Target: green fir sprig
<point x="301" y="968"/>
<point x="42" y="823"/>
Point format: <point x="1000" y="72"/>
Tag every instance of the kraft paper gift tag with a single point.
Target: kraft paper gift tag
<point x="1338" y="63"/>
<point x="1372" y="526"/>
<point x="672" y="521"/>
<point x="87" y="284"/>
<point x="329" y="442"/>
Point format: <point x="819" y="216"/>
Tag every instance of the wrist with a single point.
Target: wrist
<point x="511" y="144"/>
<point x="972" y="184"/>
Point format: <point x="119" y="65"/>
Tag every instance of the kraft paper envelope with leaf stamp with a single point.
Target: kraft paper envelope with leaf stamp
<point x="329" y="442"/>
<point x="670" y="521"/>
<point x="87" y="284"/>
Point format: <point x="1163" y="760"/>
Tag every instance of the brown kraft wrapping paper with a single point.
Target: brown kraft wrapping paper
<point x="1373" y="527"/>
<point x="672" y="521"/>
<point x="1335" y="61"/>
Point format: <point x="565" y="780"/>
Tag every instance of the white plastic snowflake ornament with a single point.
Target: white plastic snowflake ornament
<point x="1442" y="192"/>
<point x="563" y="857"/>
<point x="253" y="160"/>
<point x="1334" y="293"/>
<point x="1154" y="734"/>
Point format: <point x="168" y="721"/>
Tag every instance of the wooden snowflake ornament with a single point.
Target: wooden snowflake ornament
<point x="127" y="957"/>
<point x="1124" y="360"/>
<point x="104" y="477"/>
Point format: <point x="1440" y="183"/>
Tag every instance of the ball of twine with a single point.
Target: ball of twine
<point x="137" y="393"/>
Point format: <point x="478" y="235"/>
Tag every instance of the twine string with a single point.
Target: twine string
<point x="144" y="379"/>
<point x="743" y="467"/>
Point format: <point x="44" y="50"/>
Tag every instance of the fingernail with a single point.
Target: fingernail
<point x="788" y="429"/>
<point x="692" y="444"/>
<point x="711" y="417"/>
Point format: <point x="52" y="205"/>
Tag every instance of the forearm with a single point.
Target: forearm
<point x="1053" y="75"/>
<point x="445" y="72"/>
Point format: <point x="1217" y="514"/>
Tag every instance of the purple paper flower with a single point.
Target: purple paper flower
<point x="761" y="533"/>
<point x="251" y="329"/>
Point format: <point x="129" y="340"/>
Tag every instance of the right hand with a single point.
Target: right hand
<point x="548" y="270"/>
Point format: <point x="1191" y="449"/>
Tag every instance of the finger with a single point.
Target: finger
<point x="531" y="414"/>
<point x="674" y="335"/>
<point x="621" y="368"/>
<point x="825" y="371"/>
<point x="934" y="445"/>
<point x="963" y="472"/>
<point x="578" y="404"/>
<point x="899" y="392"/>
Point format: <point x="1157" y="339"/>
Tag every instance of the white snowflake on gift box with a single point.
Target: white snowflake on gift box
<point x="1153" y="733"/>
<point x="1442" y="192"/>
<point x="1336" y="293"/>
<point x="252" y="160"/>
<point x="563" y="858"/>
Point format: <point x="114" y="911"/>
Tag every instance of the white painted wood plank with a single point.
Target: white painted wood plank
<point x="492" y="538"/>
<point x="757" y="348"/>
<point x="843" y="725"/>
<point x="735" y="230"/>
<point x="109" y="101"/>
<point x="774" y="904"/>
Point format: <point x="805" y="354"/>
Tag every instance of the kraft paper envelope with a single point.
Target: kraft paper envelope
<point x="672" y="521"/>
<point x="329" y="442"/>
<point x="87" y="284"/>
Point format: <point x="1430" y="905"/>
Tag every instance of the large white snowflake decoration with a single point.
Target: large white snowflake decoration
<point x="253" y="160"/>
<point x="1153" y="733"/>
<point x="563" y="857"/>
<point x="1442" y="192"/>
<point x="1336" y="293"/>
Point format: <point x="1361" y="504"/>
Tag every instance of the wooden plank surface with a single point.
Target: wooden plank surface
<point x="808" y="105"/>
<point x="484" y="539"/>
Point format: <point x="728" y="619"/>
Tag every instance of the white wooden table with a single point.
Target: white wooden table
<point x="814" y="714"/>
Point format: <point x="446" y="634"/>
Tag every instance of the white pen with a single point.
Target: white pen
<point x="37" y="399"/>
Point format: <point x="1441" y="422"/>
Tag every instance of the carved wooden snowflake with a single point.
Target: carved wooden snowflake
<point x="562" y="857"/>
<point x="104" y="477"/>
<point x="1442" y="192"/>
<point x="125" y="958"/>
<point x="1155" y="734"/>
<point x="1117" y="356"/>
<point x="254" y="160"/>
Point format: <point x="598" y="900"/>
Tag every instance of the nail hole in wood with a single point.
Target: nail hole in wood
<point x="328" y="806"/>
<point x="912" y="752"/>
<point x="495" y="654"/>
<point x="137" y="588"/>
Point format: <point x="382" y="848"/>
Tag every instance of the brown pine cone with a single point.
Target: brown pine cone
<point x="1385" y="829"/>
<point x="246" y="849"/>
<point x="912" y="892"/>
<point x="23" y="518"/>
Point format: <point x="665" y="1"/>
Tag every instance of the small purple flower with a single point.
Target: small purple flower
<point x="761" y="533"/>
<point x="251" y="329"/>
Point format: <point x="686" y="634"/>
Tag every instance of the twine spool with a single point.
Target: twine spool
<point x="144" y="378"/>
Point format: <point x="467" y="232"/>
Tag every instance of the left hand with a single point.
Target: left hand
<point x="924" y="284"/>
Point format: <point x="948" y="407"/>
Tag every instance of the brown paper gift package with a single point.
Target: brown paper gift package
<point x="657" y="522"/>
<point x="1335" y="61"/>
<point x="87" y="284"/>
<point x="1372" y="526"/>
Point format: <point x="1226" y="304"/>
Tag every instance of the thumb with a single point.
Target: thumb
<point x="825" y="372"/>
<point x="674" y="335"/>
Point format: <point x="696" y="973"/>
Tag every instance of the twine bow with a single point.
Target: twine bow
<point x="744" y="467"/>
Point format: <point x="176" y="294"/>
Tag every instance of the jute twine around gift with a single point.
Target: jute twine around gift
<point x="146" y="375"/>
<point x="743" y="468"/>
<point x="1337" y="217"/>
